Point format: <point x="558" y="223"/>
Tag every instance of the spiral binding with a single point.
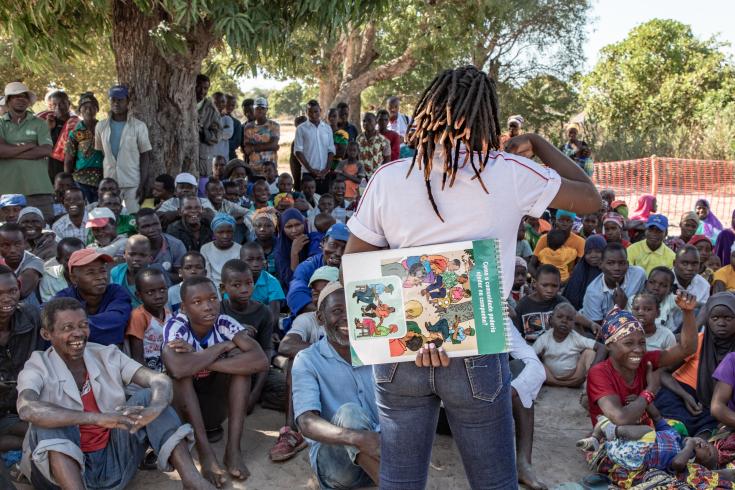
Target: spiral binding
<point x="503" y="299"/>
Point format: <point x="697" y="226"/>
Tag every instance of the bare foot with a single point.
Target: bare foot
<point x="199" y="484"/>
<point x="212" y="471"/>
<point x="527" y="476"/>
<point x="235" y="465"/>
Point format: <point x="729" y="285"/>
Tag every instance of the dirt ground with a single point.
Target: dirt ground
<point x="560" y="421"/>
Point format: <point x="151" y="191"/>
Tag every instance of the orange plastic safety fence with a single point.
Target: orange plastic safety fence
<point x="677" y="183"/>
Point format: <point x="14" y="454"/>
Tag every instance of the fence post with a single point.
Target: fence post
<point x="654" y="176"/>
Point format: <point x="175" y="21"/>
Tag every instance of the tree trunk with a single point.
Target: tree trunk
<point x="161" y="86"/>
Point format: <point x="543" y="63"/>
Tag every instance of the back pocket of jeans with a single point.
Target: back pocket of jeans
<point x="486" y="375"/>
<point x="384" y="373"/>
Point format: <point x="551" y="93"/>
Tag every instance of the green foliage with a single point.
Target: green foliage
<point x="655" y="90"/>
<point x="287" y="101"/>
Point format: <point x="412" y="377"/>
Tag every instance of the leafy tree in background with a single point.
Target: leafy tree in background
<point x="159" y="46"/>
<point x="660" y="91"/>
<point x="288" y="100"/>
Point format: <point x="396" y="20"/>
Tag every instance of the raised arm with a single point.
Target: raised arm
<point x="687" y="344"/>
<point x="577" y="192"/>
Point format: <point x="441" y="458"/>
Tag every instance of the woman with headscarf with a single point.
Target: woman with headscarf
<point x="80" y="156"/>
<point x="688" y="228"/>
<point x="709" y="225"/>
<point x="291" y="245"/>
<point x="686" y="394"/>
<point x="724" y="242"/>
<point x="585" y="271"/>
<point x="622" y="386"/>
<point x="647" y="205"/>
<point x="265" y="232"/>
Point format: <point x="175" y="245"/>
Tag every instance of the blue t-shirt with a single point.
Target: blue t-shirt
<point x="267" y="289"/>
<point x="116" y="129"/>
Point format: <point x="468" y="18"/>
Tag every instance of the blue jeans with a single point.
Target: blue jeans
<point x="477" y="399"/>
<point x="114" y="466"/>
<point x="335" y="465"/>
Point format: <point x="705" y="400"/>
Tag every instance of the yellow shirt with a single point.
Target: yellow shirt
<point x="639" y="254"/>
<point x="726" y="275"/>
<point x="562" y="258"/>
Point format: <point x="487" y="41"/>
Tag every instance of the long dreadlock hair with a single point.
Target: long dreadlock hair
<point x="460" y="107"/>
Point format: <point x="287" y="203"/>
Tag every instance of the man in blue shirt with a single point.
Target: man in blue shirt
<point x="299" y="293"/>
<point x="107" y="305"/>
<point x="334" y="403"/>
<point x="618" y="282"/>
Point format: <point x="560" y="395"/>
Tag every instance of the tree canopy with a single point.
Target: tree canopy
<point x="654" y="91"/>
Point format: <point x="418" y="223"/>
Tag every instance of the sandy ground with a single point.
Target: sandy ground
<point x="560" y="421"/>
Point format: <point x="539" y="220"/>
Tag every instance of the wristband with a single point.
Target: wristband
<point x="648" y="396"/>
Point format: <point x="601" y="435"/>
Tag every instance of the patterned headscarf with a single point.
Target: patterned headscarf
<point x="283" y="197"/>
<point x="618" y="324"/>
<point x="341" y="137"/>
<point x="267" y="212"/>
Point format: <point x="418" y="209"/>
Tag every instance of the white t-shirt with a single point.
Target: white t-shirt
<point x="216" y="258"/>
<point x="662" y="339"/>
<point x="395" y="211"/>
<point x="561" y="357"/>
<point x="307" y="327"/>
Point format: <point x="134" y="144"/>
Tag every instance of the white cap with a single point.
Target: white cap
<point x="186" y="178"/>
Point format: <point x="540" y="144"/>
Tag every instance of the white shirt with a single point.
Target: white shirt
<point x="662" y="339"/>
<point x="223" y="147"/>
<point x="315" y="142"/>
<point x="125" y="169"/>
<point x="216" y="258"/>
<point x="400" y="125"/>
<point x="64" y="228"/>
<point x="395" y="211"/>
<point x="307" y="327"/>
<point x="562" y="357"/>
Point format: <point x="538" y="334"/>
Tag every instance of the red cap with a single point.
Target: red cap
<point x="86" y="256"/>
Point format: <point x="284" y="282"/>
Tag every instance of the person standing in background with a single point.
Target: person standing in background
<point x="25" y="144"/>
<point x="124" y="140"/>
<point x="236" y="140"/>
<point x="260" y="139"/>
<point x="61" y="121"/>
<point x="397" y="122"/>
<point x="314" y="147"/>
<point x="210" y="127"/>
<point x="80" y="157"/>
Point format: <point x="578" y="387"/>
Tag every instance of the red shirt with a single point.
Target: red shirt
<point x="395" y="143"/>
<point x="92" y="437"/>
<point x="603" y="380"/>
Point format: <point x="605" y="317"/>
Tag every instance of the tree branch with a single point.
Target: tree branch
<point x="393" y="68"/>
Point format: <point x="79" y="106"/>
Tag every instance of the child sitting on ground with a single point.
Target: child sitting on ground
<point x="192" y="265"/>
<point x="237" y="286"/>
<point x="566" y="355"/>
<point x="267" y="289"/>
<point x="325" y="206"/>
<point x="660" y="284"/>
<point x="211" y="359"/>
<point x="523" y="248"/>
<point x="520" y="282"/>
<point x="645" y="309"/>
<point x="145" y="328"/>
<point x="222" y="248"/>
<point x="557" y="254"/>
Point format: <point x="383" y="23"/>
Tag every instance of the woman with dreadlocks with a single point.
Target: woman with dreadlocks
<point x="459" y="186"/>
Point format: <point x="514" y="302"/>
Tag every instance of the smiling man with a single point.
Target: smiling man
<point x="652" y="252"/>
<point x="107" y="305"/>
<point x="334" y="402"/>
<point x="84" y="433"/>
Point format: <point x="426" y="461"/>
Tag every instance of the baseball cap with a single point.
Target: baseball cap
<point x="261" y="102"/>
<point x="86" y="256"/>
<point x="325" y="273"/>
<point x="339" y="231"/>
<point x="99" y="217"/>
<point x="658" y="221"/>
<point x="118" y="92"/>
<point x="186" y="178"/>
<point x="12" y="200"/>
<point x="617" y="204"/>
<point x="328" y="289"/>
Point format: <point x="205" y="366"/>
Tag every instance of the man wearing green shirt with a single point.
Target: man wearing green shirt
<point x="25" y="144"/>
